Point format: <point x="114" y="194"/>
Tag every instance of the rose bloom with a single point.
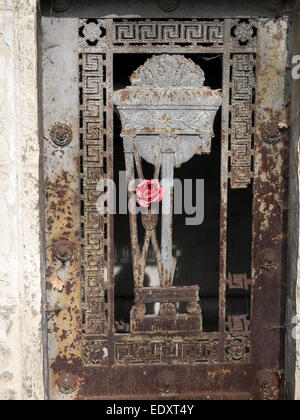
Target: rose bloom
<point x="149" y="192"/>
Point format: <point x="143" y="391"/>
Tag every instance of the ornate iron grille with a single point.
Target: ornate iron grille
<point x="99" y="40"/>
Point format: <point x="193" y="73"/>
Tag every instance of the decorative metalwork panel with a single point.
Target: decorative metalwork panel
<point x="98" y="40"/>
<point x="242" y="120"/>
<point x="170" y="330"/>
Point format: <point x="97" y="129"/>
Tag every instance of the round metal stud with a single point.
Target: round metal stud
<point x="271" y="133"/>
<point x="63" y="250"/>
<point x="61" y="134"/>
<point x="169" y="5"/>
<point x="60" y="5"/>
<point x="67" y="383"/>
<point x="268" y="385"/>
<point x="269" y="260"/>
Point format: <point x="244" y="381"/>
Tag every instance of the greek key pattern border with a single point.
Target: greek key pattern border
<point x="242" y="109"/>
<point x="92" y="132"/>
<point x="166" y="32"/>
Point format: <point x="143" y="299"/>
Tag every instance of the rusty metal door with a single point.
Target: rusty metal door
<point x="240" y="354"/>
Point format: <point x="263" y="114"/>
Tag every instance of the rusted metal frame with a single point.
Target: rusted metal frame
<point x="91" y="375"/>
<point x="190" y="379"/>
<point x="270" y="194"/>
<point x="62" y="190"/>
<point x="224" y="186"/>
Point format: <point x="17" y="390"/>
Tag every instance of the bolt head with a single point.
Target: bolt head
<point x="67" y="383"/>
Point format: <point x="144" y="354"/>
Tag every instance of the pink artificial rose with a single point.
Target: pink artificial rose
<point x="149" y="192"/>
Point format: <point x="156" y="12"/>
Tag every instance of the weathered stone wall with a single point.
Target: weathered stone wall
<point x="21" y="355"/>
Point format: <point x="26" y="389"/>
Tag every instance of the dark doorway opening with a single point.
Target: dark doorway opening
<point x="197" y="248"/>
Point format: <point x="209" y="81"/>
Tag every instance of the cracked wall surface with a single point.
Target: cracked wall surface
<point x="21" y="355"/>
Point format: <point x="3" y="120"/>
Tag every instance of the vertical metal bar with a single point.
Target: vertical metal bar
<point x="143" y="259"/>
<point x="129" y="161"/>
<point x="110" y="175"/>
<point x="270" y="195"/>
<point x="62" y="189"/>
<point x="224" y="186"/>
<point x="167" y="218"/>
